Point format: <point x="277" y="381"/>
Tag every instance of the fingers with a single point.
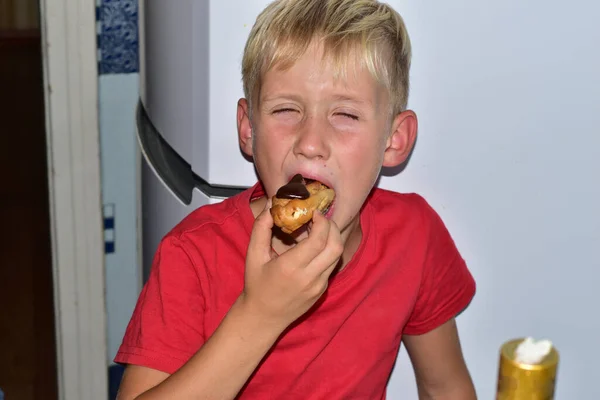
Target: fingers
<point x="326" y="261"/>
<point x="305" y="251"/>
<point x="260" y="239"/>
<point x="321" y="249"/>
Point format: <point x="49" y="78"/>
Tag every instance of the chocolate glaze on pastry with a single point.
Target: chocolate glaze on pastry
<point x="295" y="189"/>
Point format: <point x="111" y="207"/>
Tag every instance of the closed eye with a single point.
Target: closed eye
<point x="351" y="116"/>
<point x="283" y="110"/>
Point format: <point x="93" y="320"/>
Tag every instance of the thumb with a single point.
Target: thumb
<point x="260" y="239"/>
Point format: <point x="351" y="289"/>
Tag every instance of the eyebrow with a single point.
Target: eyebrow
<point x="281" y="96"/>
<point x="293" y="97"/>
<point x="342" y="97"/>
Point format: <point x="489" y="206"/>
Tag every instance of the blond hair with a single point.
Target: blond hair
<point x="371" y="31"/>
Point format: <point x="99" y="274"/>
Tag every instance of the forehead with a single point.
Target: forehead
<point x="319" y="70"/>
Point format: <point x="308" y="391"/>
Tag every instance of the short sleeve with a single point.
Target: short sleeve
<point x="166" y="327"/>
<point x="447" y="286"/>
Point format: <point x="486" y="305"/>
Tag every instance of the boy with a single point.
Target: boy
<point x="235" y="309"/>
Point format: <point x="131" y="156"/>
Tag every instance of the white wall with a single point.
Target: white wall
<point x="118" y="99"/>
<point x="508" y="96"/>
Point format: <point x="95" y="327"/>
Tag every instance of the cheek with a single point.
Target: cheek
<point x="271" y="147"/>
<point x="364" y="157"/>
<point x="362" y="165"/>
<point x="269" y="152"/>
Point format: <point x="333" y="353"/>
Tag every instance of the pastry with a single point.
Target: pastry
<point x="294" y="203"/>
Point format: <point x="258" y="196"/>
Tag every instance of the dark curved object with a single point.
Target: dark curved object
<point x="172" y="169"/>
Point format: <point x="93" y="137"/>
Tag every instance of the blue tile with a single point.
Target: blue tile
<point x="109" y="223"/>
<point x="118" y="40"/>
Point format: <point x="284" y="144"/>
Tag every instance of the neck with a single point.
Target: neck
<point x="351" y="241"/>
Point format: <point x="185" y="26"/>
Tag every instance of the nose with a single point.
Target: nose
<point x="312" y="139"/>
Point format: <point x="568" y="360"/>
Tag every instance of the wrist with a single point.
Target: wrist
<point x="254" y="317"/>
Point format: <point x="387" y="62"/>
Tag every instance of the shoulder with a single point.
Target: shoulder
<point x="208" y="217"/>
<point x="389" y="197"/>
<point x="391" y="207"/>
<point x="407" y="220"/>
<point x="209" y="226"/>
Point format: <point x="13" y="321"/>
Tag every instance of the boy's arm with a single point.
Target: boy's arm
<point x="277" y="291"/>
<point x="137" y="379"/>
<point x="439" y="365"/>
<point x="219" y="369"/>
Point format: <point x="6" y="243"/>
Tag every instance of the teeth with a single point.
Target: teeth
<point x="326" y="209"/>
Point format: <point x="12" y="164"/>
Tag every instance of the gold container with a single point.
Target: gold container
<point x="518" y="381"/>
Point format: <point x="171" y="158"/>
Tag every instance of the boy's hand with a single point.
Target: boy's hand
<point x="280" y="290"/>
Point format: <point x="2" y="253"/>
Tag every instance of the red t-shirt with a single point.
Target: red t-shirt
<point x="406" y="277"/>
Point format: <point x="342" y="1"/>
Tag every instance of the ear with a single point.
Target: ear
<point x="244" y="127"/>
<point x="401" y="140"/>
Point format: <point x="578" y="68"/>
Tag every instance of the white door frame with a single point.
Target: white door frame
<point x="71" y="99"/>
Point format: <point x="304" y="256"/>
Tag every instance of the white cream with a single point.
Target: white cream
<point x="532" y="352"/>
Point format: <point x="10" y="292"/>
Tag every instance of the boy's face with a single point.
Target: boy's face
<point x="336" y="131"/>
